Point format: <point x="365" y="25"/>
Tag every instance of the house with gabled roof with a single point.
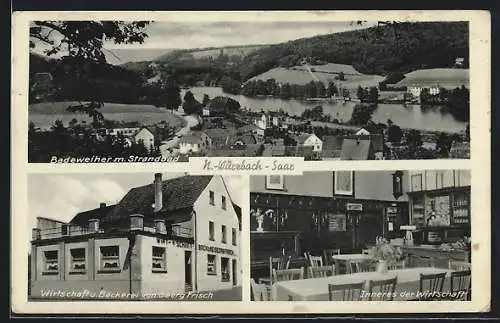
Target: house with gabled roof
<point x="169" y="237"/>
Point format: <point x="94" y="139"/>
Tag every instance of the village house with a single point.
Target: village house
<point x="353" y="147"/>
<point x="146" y="136"/>
<point x="172" y="236"/>
<point x="197" y="142"/>
<point x="310" y="140"/>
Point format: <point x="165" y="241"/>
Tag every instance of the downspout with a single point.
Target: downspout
<point x="195" y="256"/>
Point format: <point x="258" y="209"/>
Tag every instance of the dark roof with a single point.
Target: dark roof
<point x="332" y="143"/>
<point x="247" y="151"/>
<point x="179" y="194"/>
<point x="377" y="140"/>
<point x="82" y="218"/>
<point x="355" y="149"/>
<point x="247" y="139"/>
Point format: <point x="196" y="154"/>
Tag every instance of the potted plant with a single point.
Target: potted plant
<point x="385" y="254"/>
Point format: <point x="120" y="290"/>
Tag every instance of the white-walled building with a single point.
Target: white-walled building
<point x="310" y="140"/>
<point x="167" y="238"/>
<point x="146" y="137"/>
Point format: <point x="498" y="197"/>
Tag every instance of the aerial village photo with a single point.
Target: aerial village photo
<point x="134" y="237"/>
<point x="114" y="91"/>
<point x="361" y="236"/>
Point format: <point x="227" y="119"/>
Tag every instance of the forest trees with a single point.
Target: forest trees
<point x="368" y="95"/>
<point x="81" y="43"/>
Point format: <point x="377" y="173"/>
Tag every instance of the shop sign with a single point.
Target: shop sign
<point x="354" y="207"/>
<point x="175" y="243"/>
<point x="215" y="249"/>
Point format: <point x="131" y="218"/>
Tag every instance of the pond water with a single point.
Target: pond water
<point x="406" y="116"/>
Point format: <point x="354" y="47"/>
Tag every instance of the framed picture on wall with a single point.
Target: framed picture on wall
<point x="343" y="184"/>
<point x="275" y="182"/>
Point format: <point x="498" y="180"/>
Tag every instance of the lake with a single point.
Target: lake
<point x="405" y="116"/>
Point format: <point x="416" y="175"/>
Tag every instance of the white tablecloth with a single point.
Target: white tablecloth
<point x="348" y="258"/>
<point x="316" y="289"/>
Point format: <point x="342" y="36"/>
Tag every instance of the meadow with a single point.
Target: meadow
<point x="44" y="114"/>
<point x="324" y="73"/>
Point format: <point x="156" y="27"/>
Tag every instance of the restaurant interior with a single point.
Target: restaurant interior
<point x="327" y="236"/>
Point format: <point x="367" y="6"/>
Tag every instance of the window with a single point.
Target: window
<point x="224" y="267"/>
<point x="110" y="258"/>
<point x="212" y="198"/>
<point x="223" y="235"/>
<point x="211" y="265"/>
<point x="159" y="260"/>
<point x="233" y="236"/>
<point x="51" y="262"/>
<point x="77" y="260"/>
<point x="416" y="182"/>
<point x="223" y="202"/>
<point x="439" y="179"/>
<point x="64" y="229"/>
<point x="211" y="231"/>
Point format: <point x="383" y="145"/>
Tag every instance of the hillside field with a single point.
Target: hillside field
<point x="443" y="77"/>
<point x="324" y="73"/>
<point x="44" y="114"/>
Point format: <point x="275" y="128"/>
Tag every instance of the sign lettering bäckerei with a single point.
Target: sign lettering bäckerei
<point x="215" y="249"/>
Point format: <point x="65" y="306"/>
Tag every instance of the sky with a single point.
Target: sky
<point x="185" y="35"/>
<point x="164" y="36"/>
<point x="62" y="196"/>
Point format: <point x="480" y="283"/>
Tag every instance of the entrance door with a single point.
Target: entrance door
<point x="188" y="281"/>
<point x="235" y="271"/>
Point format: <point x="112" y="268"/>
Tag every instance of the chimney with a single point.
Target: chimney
<point x="158" y="193"/>
<point x="160" y="226"/>
<point x="102" y="205"/>
<point x="36" y="234"/>
<point x="94" y="225"/>
<point x="136" y="222"/>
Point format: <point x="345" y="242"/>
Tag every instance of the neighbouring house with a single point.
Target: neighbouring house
<point x="197" y="142"/>
<point x="332" y="147"/>
<point x="245" y="139"/>
<point x="172" y="236"/>
<point x="246" y="151"/>
<point x="220" y="137"/>
<point x="362" y="132"/>
<point x="356" y="149"/>
<point x="126" y="132"/>
<point x="146" y="136"/>
<point x="252" y="129"/>
<point x="310" y="140"/>
<point x="361" y="147"/>
<point x="270" y="119"/>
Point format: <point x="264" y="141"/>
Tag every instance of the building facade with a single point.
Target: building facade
<point x="169" y="237"/>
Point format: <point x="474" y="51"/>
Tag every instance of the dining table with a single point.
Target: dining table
<point x="316" y="289"/>
<point x="347" y="259"/>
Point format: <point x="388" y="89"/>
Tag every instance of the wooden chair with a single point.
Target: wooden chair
<point x="315" y="261"/>
<point x="385" y="286"/>
<point x="288" y="274"/>
<point x="328" y="254"/>
<point x="430" y="283"/>
<point x="361" y="266"/>
<point x="397" y="265"/>
<point x="350" y="292"/>
<point x="460" y="284"/>
<point x="278" y="263"/>
<point x="459" y="265"/>
<point x="259" y="291"/>
<point x="323" y="271"/>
